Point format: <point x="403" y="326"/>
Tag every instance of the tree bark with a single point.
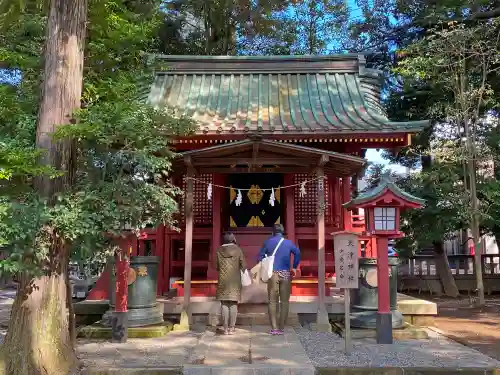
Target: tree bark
<point x="38" y="341"/>
<point x="444" y="271"/>
<point x="61" y="88"/>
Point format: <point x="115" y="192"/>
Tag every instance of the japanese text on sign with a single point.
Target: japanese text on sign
<point x="346" y="260"/>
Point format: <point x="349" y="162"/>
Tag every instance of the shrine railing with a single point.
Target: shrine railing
<point x="425" y="266"/>
<point x="420" y="273"/>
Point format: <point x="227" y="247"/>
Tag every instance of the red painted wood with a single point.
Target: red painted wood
<point x="166" y="262"/>
<point x="251" y="243"/>
<point x="122" y="267"/>
<point x="160" y="252"/>
<point x="331" y="200"/>
<point x="290" y="207"/>
<point x="383" y="275"/>
<point x="133" y="244"/>
<point x="346" y="197"/>
<point x="373" y="242"/>
<point x="337" y="205"/>
<point x="101" y="289"/>
<point x="209" y="288"/>
<point x="142" y="247"/>
<point x="216" y="223"/>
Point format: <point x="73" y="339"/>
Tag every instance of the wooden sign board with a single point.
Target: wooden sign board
<point x="345" y="245"/>
<point x="346" y="260"/>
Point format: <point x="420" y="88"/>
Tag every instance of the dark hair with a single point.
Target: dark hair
<point x="228" y="238"/>
<point x="278" y="229"/>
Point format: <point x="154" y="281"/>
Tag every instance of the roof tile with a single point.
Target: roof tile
<point x="306" y="94"/>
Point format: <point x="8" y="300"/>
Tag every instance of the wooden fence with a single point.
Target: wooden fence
<point x="419" y="273"/>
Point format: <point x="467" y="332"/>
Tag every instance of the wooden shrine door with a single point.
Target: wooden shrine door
<point x="255" y="210"/>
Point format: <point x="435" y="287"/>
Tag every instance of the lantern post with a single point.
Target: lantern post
<point x="382" y="206"/>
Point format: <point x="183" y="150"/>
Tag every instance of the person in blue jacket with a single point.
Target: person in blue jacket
<point x="279" y="286"/>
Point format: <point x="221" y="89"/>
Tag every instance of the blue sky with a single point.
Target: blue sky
<point x="372" y="155"/>
<point x="376" y="157"/>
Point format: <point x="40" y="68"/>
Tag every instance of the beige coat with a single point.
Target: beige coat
<point x="230" y="263"/>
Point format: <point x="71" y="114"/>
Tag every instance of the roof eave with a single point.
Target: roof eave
<point x="379" y="191"/>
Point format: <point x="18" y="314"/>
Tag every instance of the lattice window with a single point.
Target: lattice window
<point x="306" y="208"/>
<point x="202" y="206"/>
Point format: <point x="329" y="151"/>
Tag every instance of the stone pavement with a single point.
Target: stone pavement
<point x="173" y="350"/>
<point x="250" y="351"/>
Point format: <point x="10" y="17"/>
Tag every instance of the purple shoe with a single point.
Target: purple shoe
<point x="280" y="332"/>
<point x="273" y="332"/>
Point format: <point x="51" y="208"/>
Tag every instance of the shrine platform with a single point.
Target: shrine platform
<point x="416" y="311"/>
<point x="407" y="305"/>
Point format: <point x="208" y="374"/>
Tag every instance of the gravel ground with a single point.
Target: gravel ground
<point x="327" y="350"/>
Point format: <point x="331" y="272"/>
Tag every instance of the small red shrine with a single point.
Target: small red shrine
<point x="267" y="123"/>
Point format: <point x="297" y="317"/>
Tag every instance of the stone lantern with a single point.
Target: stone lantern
<point x="382" y="206"/>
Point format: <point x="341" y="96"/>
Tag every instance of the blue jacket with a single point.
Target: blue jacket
<point x="282" y="256"/>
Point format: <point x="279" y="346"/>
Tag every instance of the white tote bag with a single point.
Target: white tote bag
<point x="266" y="265"/>
<point x="246" y="280"/>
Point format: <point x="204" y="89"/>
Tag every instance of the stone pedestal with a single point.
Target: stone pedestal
<point x="119" y="327"/>
<point x="138" y="317"/>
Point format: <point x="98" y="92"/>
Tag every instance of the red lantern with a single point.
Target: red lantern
<point x="382" y="206"/>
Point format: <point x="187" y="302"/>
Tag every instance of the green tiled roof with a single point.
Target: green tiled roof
<point x="378" y="190"/>
<point x="274" y="94"/>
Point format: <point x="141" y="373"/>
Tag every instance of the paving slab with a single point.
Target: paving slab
<point x="250" y="351"/>
<point x="172" y="350"/>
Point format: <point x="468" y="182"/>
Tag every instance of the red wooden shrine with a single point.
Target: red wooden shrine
<point x="265" y="121"/>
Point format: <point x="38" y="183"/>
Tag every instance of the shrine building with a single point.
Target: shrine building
<point x="294" y="127"/>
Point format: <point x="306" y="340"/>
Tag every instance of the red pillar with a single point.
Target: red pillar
<point x="346" y="197"/>
<point x="290" y="207"/>
<point x="216" y="223"/>
<point x="160" y="252"/>
<point x="122" y="267"/>
<point x="336" y="199"/>
<point x="119" y="329"/>
<point x="288" y="179"/>
<point x="133" y="244"/>
<point x="384" y="317"/>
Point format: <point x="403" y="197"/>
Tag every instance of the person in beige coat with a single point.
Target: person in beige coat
<point x="230" y="264"/>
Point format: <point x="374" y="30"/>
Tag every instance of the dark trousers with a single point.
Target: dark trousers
<point x="278" y="292"/>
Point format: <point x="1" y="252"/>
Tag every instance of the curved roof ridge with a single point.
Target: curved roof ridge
<point x="340" y="63"/>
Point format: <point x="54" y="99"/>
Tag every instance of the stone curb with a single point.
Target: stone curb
<point x="407" y="371"/>
<point x="134" y="371"/>
<point x="319" y="371"/>
<point x="452" y="337"/>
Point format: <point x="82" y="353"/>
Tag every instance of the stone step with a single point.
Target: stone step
<point x="253" y="319"/>
<point x="252" y="308"/>
<point x="258" y="319"/>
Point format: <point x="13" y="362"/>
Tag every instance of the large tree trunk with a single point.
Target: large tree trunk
<point x="444" y="271"/>
<point x="38" y="341"/>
